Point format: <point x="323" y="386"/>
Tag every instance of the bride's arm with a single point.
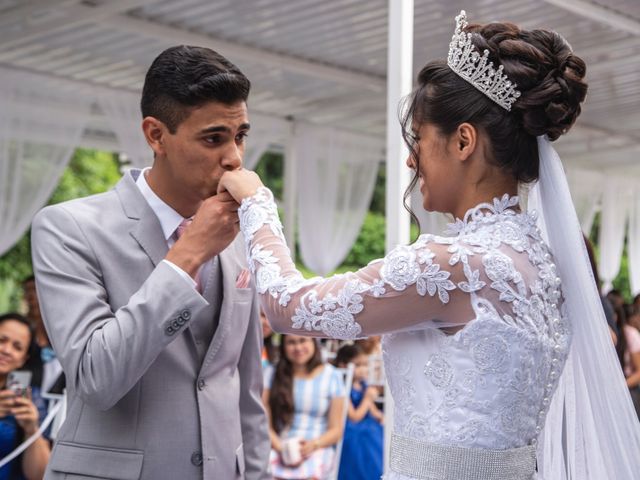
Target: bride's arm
<point x="417" y="286"/>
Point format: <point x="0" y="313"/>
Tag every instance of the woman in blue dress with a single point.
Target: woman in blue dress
<point x="361" y="457"/>
<point x="18" y="414"/>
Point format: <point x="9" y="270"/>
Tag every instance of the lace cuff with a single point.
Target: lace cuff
<point x="255" y="212"/>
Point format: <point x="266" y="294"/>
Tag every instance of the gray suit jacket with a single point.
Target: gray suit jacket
<point x="142" y="405"/>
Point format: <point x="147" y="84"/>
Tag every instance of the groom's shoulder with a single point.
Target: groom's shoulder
<point x="92" y="206"/>
<point x="94" y="209"/>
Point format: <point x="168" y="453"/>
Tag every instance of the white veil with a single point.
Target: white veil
<point x="591" y="415"/>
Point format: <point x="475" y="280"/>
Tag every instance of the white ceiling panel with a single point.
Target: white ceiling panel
<point x="322" y="61"/>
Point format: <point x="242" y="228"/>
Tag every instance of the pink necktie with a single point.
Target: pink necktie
<point x="179" y="231"/>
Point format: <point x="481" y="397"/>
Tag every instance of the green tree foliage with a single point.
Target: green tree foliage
<point x="622" y="281"/>
<point x="378" y="200"/>
<point x="370" y="242"/>
<point x="270" y="168"/>
<point x="88" y="172"/>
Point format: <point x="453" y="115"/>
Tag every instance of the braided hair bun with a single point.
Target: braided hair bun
<point x="547" y="73"/>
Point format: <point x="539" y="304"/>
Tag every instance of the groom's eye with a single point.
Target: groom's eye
<point x="214" y="139"/>
<point x="240" y="137"/>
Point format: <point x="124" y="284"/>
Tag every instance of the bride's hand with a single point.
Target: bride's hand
<point x="240" y="183"/>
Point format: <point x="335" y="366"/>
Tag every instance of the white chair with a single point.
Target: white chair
<point x="376" y="370"/>
<point x="61" y="414"/>
<point x="347" y="374"/>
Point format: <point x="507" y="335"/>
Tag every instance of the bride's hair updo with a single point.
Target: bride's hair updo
<point x="547" y="74"/>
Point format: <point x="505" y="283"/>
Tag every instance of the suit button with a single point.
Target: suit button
<point x="181" y="321"/>
<point x="186" y="314"/>
<point x="196" y="458"/>
<point x="201" y="384"/>
<point x="169" y="330"/>
<point x="176" y="325"/>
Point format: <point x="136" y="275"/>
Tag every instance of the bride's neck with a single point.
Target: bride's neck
<point x="483" y="192"/>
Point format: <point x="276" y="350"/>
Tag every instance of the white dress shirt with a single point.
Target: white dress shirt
<point x="169" y="221"/>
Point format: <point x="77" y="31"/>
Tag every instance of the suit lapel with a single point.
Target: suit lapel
<point x="146" y="230"/>
<point x="148" y="233"/>
<point x="228" y="266"/>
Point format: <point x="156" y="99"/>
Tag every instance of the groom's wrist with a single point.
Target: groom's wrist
<point x="190" y="264"/>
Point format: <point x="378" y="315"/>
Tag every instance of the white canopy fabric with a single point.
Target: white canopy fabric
<point x="633" y="242"/>
<point x="310" y="62"/>
<point x="337" y="183"/>
<point x="33" y="151"/>
<point x="616" y="203"/>
<point x="122" y="110"/>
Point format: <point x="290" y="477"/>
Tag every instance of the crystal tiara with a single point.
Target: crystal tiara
<point x="465" y="60"/>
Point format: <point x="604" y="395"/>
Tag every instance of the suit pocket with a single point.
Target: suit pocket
<point x="244" y="295"/>
<point x="240" y="460"/>
<point x="100" y="462"/>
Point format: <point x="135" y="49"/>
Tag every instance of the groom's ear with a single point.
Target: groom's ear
<point x="466" y="138"/>
<point x="154" y="132"/>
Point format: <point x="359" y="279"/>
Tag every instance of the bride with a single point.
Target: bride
<point x="495" y="345"/>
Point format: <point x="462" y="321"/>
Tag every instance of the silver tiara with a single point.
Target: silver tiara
<point x="465" y="60"/>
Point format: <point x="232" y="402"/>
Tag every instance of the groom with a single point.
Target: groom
<point x="146" y="297"/>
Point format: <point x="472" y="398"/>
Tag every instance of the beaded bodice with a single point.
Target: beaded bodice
<point x="475" y="336"/>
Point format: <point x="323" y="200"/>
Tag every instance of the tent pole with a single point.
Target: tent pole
<point x="399" y="81"/>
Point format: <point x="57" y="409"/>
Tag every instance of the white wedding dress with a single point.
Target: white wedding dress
<point x="475" y="333"/>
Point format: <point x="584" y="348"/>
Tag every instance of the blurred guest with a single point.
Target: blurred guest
<point x="370" y="345"/>
<point x="607" y="306"/>
<point x="628" y="349"/>
<point x="48" y="376"/>
<point x="18" y="413"/>
<point x="636" y="303"/>
<point x="616" y="298"/>
<point x="633" y="317"/>
<point x="270" y="342"/>
<point x="372" y="348"/>
<point x="304" y="398"/>
<point x="361" y="457"/>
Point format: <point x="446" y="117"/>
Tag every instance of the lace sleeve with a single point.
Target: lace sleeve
<point x="418" y="286"/>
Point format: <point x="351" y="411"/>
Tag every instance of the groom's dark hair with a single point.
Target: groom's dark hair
<point x="184" y="77"/>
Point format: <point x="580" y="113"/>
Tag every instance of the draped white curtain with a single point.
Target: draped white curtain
<point x="266" y="133"/>
<point x="586" y="191"/>
<point x="39" y="130"/>
<point x="633" y="245"/>
<point x="616" y="203"/>
<point x="336" y="176"/>
<point x="122" y="110"/>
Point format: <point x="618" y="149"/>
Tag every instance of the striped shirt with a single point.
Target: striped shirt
<point x="311" y="399"/>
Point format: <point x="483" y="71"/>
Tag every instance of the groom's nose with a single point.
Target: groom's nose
<point x="232" y="157"/>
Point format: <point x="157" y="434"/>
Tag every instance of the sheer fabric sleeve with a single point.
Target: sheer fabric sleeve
<point x="423" y="285"/>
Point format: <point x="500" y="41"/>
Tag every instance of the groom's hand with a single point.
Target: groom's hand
<point x="240" y="183"/>
<point x="214" y="227"/>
